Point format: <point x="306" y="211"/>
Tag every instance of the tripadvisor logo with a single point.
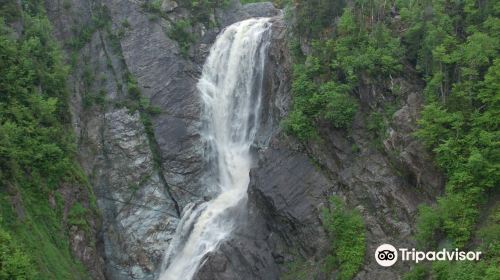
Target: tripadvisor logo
<point x="387" y="255"/>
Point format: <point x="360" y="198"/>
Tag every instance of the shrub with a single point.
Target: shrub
<point x="14" y="263"/>
<point x="182" y="33"/>
<point x="78" y="215"/>
<point x="428" y="222"/>
<point x="347" y="231"/>
<point x="340" y="107"/>
<point x="299" y="125"/>
<point x="419" y="272"/>
<point x="329" y="101"/>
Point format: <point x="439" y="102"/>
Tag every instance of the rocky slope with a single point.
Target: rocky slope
<point x="146" y="167"/>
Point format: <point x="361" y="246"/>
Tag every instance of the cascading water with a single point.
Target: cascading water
<point x="230" y="88"/>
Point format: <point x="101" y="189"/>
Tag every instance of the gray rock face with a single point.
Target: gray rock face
<point x="169" y="81"/>
<point x="168" y="6"/>
<point x="138" y="214"/>
<point x="237" y="12"/>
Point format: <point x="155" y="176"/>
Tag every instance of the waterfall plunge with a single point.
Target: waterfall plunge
<point x="230" y="88"/>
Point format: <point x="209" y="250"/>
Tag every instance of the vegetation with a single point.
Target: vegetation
<point x="459" y="61"/>
<point x="347" y="231"/>
<point x="200" y="11"/>
<point x="81" y="36"/>
<point x="487" y="268"/>
<point x="453" y="46"/>
<point x="181" y="32"/>
<point x="354" y="55"/>
<point x="299" y="269"/>
<point x="14" y="262"/>
<point x="36" y="152"/>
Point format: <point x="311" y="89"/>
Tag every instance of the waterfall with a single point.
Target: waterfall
<point x="230" y="87"/>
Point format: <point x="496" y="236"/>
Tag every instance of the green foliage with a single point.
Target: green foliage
<point x="78" y="215"/>
<point x="182" y="33"/>
<point x="200" y="11"/>
<point x="314" y="16"/>
<point x="42" y="233"/>
<point x="347" y="231"/>
<point x="458" y="122"/>
<point x="125" y="24"/>
<point x="299" y="269"/>
<point x="359" y="50"/>
<point x="32" y="104"/>
<point x="337" y="66"/>
<point x="251" y="1"/>
<point x="67" y="4"/>
<point x="36" y="152"/>
<point x="340" y="107"/>
<point x="418" y="272"/>
<point x="14" y="262"/>
<point x="329" y="101"/>
<point x="454" y="46"/>
<point x="203" y="9"/>
<point x="428" y="222"/>
<point x="376" y="123"/>
<point x="488" y="236"/>
<point x="487" y="268"/>
<point x="9" y="10"/>
<point x="90" y="99"/>
<point x="458" y="271"/>
<point x="299" y="125"/>
<point x="83" y="35"/>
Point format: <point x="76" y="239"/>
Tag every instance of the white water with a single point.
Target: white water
<point x="230" y="88"/>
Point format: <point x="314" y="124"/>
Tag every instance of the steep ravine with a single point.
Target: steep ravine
<point x="146" y="167"/>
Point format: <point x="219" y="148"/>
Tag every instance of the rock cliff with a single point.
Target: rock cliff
<point x="144" y="168"/>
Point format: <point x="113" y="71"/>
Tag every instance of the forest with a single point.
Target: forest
<point x="453" y="47"/>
